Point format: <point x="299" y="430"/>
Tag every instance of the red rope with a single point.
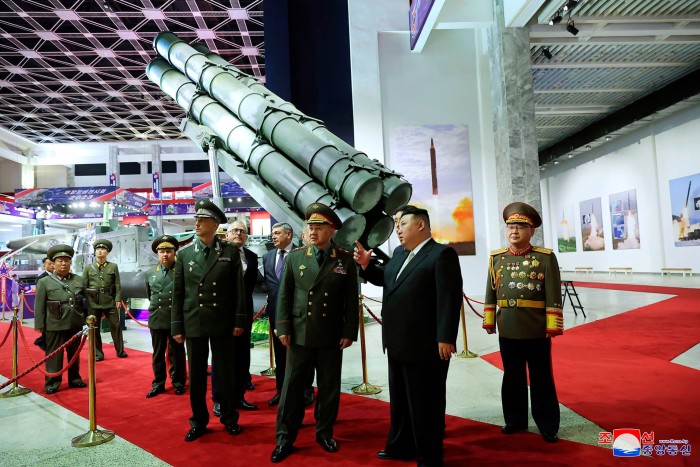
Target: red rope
<point x="37" y="365"/>
<point x="6" y="335"/>
<point x="469" y="300"/>
<point x="24" y="298"/>
<point x="262" y="309"/>
<point x="373" y="300"/>
<point x="132" y="316"/>
<point x="372" y="314"/>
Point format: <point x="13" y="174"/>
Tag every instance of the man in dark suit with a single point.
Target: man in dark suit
<point x="159" y="286"/>
<point x="209" y="309"/>
<point x="237" y="234"/>
<point x="420" y="312"/>
<point x="48" y="270"/>
<point x="317" y="317"/>
<point x="273" y="262"/>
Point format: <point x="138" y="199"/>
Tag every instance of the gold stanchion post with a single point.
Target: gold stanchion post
<point x="270" y="371"/>
<point x="94" y="436"/>
<point x="15" y="390"/>
<point x="365" y="388"/>
<point x="466" y="353"/>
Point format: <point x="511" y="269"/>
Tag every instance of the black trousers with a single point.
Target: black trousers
<point x="55" y="339"/>
<point x="223" y="354"/>
<point x="536" y="355"/>
<point x="417" y="407"/>
<point x="114" y="329"/>
<point x="300" y="363"/>
<point x="164" y="343"/>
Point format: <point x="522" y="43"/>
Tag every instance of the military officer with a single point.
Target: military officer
<point x="523" y="301"/>
<point x="159" y="284"/>
<point x="317" y="317"/>
<point x="104" y="292"/>
<point x="58" y="310"/>
<point x="209" y="309"/>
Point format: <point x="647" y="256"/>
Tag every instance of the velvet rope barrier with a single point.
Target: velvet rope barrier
<point x="260" y="312"/>
<point x="372" y="314"/>
<point x="469" y="300"/>
<point x="365" y="388"/>
<point x="24" y="299"/>
<point x="130" y="315"/>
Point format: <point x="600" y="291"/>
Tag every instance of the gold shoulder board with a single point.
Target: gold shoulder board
<point x="498" y="252"/>
<point x="540" y="249"/>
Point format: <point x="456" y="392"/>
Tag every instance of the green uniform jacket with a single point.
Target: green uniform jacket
<point x="71" y="314"/>
<point x="106" y="281"/>
<point x="208" y="295"/>
<point x="317" y="306"/>
<point x="515" y="283"/>
<point x="160" y="294"/>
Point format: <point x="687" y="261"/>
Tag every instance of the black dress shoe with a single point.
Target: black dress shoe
<point x="280" y="453"/>
<point x="51" y="390"/>
<point x="387" y="456"/>
<point x="155" y="391"/>
<point x="217" y="409"/>
<point x="512" y="429"/>
<point x="550" y="438"/>
<point x="195" y="433"/>
<point x="180" y="390"/>
<point x="99" y="358"/>
<point x="77" y="384"/>
<point x="122" y="354"/>
<point x="233" y="429"/>
<point x="274" y="401"/>
<point x="245" y="405"/>
<point x="328" y="444"/>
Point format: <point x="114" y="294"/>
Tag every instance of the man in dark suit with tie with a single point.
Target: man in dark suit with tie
<point x="273" y="262"/>
<point x="209" y="309"/>
<point x="420" y="312"/>
<point x="159" y="285"/>
<point x="317" y="317"/>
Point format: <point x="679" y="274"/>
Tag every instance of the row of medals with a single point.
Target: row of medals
<point x="514" y="267"/>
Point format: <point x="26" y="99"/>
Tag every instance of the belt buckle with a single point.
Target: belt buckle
<point x="512" y="302"/>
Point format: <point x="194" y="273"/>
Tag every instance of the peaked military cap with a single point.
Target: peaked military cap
<point x="104" y="243"/>
<point x="521" y="213"/>
<point x="59" y="250"/>
<point x="163" y="242"/>
<point x="206" y="208"/>
<point x="317" y="213"/>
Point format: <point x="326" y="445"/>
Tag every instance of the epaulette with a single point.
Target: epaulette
<point x="298" y="248"/>
<point x="500" y="251"/>
<point x="184" y="247"/>
<point x="539" y="249"/>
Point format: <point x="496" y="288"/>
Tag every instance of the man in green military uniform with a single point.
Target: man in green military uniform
<point x="209" y="309"/>
<point x="58" y="310"/>
<point x="104" y="292"/>
<point x="523" y="300"/>
<point x="317" y="317"/>
<point x="159" y="284"/>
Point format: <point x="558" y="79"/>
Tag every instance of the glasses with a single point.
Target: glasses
<point x="517" y="228"/>
<point x="238" y="231"/>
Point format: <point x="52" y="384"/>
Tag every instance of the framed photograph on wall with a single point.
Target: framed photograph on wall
<point x="566" y="231"/>
<point x="685" y="210"/>
<point x="624" y="220"/>
<point x="592" y="235"/>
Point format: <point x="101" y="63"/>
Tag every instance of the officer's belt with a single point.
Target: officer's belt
<point x="519" y="303"/>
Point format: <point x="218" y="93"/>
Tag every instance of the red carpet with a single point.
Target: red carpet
<point x="617" y="372"/>
<point x="159" y="425"/>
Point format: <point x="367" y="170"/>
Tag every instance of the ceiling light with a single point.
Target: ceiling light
<point x="547" y="54"/>
<point x="571" y="4"/>
<point x="608" y="138"/>
<point x="542" y="169"/>
<point x="556" y="162"/>
<point x="556" y="19"/>
<point x="571" y="156"/>
<point x="572" y="28"/>
<point x="588" y="147"/>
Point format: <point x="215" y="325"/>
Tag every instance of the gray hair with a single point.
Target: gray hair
<point x="237" y="221"/>
<point x="286" y="227"/>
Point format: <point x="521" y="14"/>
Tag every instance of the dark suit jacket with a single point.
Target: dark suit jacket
<point x="318" y="305"/>
<point x="208" y="294"/>
<point x="272" y="283"/>
<point x="250" y="278"/>
<point x="421" y="307"/>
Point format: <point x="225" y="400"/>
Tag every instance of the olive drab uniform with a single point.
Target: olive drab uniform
<point x="159" y="285"/>
<point x="58" y="310"/>
<point x="523" y="300"/>
<point x="103" y="290"/>
<point x="316" y="307"/>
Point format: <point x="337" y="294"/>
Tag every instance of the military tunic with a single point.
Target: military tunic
<point x="103" y="290"/>
<point x="61" y="321"/>
<point x="523" y="300"/>
<point x="317" y="306"/>
<point x="160" y="288"/>
<point x="208" y="303"/>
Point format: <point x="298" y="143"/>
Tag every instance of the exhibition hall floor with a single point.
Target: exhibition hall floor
<point x="631" y="363"/>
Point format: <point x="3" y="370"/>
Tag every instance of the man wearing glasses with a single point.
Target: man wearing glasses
<point x="523" y="301"/>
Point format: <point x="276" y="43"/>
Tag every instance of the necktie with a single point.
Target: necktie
<point x="244" y="263"/>
<point x="405" y="263"/>
<point x="165" y="272"/>
<point x="280" y="264"/>
<point x="206" y="253"/>
<point x="320" y="256"/>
